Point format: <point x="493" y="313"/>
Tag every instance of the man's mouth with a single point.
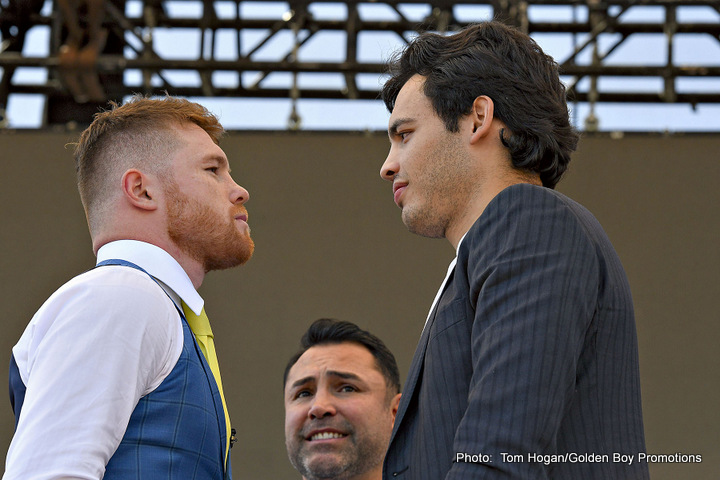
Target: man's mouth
<point x="325" y="436"/>
<point x="398" y="190"/>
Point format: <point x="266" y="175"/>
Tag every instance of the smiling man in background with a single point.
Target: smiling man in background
<point x="341" y="393"/>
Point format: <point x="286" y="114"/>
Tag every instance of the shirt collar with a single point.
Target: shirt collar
<point x="158" y="263"/>
<point x="457" y="250"/>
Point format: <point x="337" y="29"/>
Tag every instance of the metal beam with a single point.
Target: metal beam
<point x="597" y="29"/>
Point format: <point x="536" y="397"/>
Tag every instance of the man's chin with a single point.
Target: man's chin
<point x="239" y="256"/>
<point x="324" y="465"/>
<point x="423" y="227"/>
<point x="246" y="252"/>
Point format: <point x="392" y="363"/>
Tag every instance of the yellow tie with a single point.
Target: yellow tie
<point x="200" y="325"/>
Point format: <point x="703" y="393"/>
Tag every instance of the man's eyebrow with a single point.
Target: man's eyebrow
<point x="301" y="381"/>
<point x="393" y="128"/>
<point x="343" y="375"/>
<point x="223" y="161"/>
<point x="330" y="373"/>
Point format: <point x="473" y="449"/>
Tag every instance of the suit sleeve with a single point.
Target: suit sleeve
<point x="533" y="277"/>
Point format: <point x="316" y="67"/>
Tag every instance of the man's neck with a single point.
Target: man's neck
<point x="194" y="269"/>
<point x="476" y="206"/>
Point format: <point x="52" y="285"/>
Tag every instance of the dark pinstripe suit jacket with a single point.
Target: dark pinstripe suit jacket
<point x="531" y="351"/>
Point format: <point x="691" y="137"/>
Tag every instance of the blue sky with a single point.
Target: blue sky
<point x="25" y="111"/>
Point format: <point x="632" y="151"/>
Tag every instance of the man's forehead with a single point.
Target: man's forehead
<point x="413" y="88"/>
<point x="333" y="359"/>
<point x="410" y="97"/>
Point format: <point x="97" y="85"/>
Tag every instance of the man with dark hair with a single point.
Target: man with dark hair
<point x="116" y="376"/>
<point x="527" y="366"/>
<point x="341" y="391"/>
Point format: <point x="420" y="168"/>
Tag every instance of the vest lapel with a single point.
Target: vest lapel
<point x="217" y="401"/>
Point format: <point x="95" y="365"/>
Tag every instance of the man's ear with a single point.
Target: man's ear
<point x="394" y="404"/>
<point x="139" y="190"/>
<point x="482" y="115"/>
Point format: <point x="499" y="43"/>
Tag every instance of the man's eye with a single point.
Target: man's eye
<point x="212" y="169"/>
<point x="348" y="388"/>
<point x="302" y="393"/>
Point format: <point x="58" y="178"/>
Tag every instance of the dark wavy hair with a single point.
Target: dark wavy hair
<point x="506" y="65"/>
<point x="327" y="331"/>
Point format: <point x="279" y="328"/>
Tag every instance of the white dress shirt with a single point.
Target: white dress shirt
<point x="101" y="342"/>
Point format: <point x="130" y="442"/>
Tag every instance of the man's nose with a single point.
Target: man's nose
<point x="323" y="405"/>
<point x="238" y="194"/>
<point x="390" y="168"/>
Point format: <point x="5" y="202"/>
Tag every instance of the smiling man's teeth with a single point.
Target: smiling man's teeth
<point x="326" y="436"/>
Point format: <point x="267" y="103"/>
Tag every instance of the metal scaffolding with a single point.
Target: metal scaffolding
<point x="232" y="38"/>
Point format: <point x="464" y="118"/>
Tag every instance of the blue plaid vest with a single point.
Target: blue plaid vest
<point x="175" y="432"/>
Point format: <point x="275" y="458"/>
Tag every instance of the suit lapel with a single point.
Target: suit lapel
<point x="413" y="375"/>
<point x="417" y="364"/>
